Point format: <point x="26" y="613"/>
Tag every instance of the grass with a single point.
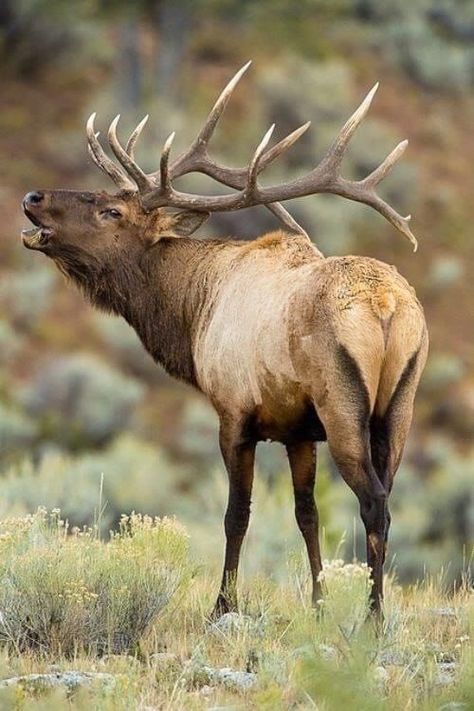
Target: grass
<point x="66" y="600"/>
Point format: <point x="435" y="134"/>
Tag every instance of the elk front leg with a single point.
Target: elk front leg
<point x="302" y="458"/>
<point x="238" y="451"/>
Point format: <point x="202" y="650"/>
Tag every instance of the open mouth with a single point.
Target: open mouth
<point x="38" y="236"/>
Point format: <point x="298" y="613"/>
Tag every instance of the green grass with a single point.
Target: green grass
<point x="67" y="598"/>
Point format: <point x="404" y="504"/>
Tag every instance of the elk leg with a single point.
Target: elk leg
<point x="302" y="458"/>
<point x="348" y="440"/>
<point x="374" y="513"/>
<point x="382" y="460"/>
<point x="360" y="475"/>
<point x="388" y="434"/>
<point x="238" y="452"/>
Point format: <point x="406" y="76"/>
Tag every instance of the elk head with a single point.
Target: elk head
<point x="88" y="230"/>
<point x="98" y="223"/>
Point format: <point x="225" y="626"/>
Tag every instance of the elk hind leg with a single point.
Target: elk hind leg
<point x="389" y="430"/>
<point x="355" y="466"/>
<point x="353" y="461"/>
<point x="346" y="418"/>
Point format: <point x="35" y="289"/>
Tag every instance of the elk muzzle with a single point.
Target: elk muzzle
<point x="36" y="237"/>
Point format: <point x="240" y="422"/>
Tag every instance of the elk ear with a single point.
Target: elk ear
<point x="188" y="221"/>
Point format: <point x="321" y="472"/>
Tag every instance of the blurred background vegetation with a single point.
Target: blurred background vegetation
<point x="78" y="395"/>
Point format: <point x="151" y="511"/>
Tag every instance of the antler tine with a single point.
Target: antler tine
<point x="134" y="136"/>
<point x="102" y="160"/>
<point x="251" y="187"/>
<point x="370" y="197"/>
<point x="386" y="166"/>
<point x="219" y="107"/>
<point x="233" y="177"/>
<point x="336" y="152"/>
<point x="397" y="220"/>
<point x="196" y="158"/>
<point x="191" y="160"/>
<point x="236" y="177"/>
<point x="142" y="181"/>
<point x="285" y="217"/>
<point x="283" y="145"/>
<point x="165" y="181"/>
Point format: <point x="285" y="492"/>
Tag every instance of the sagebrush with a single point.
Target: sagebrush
<point x="66" y="592"/>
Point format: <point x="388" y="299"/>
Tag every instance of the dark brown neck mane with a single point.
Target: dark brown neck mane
<point x="162" y="295"/>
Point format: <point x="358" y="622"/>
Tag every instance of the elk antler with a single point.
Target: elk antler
<point x="156" y="189"/>
<point x="196" y="159"/>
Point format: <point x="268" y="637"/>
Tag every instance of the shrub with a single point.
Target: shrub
<point x="346" y="594"/>
<point x="16" y="432"/>
<point x="199" y="431"/>
<point x="64" y="593"/>
<point x="24" y="487"/>
<point x="132" y="356"/>
<point x="430" y="40"/>
<point x="9" y="342"/>
<point x="136" y="476"/>
<point x="26" y="295"/>
<point x="428" y="58"/>
<point x="442" y="370"/>
<point x="81" y="400"/>
<point x="444" y="271"/>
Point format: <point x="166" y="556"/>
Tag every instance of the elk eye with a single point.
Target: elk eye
<point x="112" y="212"/>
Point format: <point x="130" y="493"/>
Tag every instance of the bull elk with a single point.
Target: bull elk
<point x="287" y="345"/>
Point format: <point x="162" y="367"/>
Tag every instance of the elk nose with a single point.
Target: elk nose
<point x="33" y="198"/>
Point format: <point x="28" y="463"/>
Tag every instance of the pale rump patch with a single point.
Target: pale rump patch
<point x="360" y="333"/>
<point x="406" y="337"/>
